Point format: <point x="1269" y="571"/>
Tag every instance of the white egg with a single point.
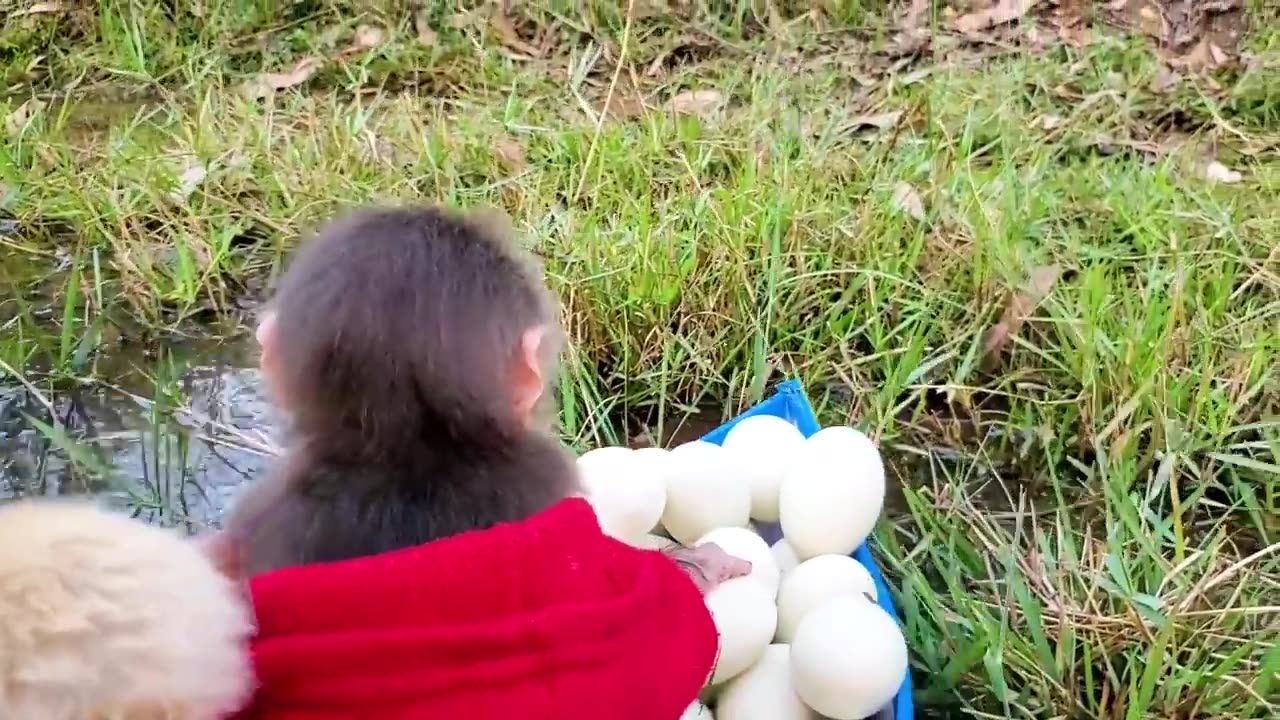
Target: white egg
<point x="625" y="491"/>
<point x="703" y="492"/>
<point x="764" y="691"/>
<point x="742" y="543"/>
<point x="848" y="658"/>
<point x="765" y="446"/>
<point x="785" y="557"/>
<point x="697" y="711"/>
<point x="745" y="619"/>
<point x="832" y="494"/>
<point x="813" y="583"/>
<point x="658" y="460"/>
<point x="650" y="541"/>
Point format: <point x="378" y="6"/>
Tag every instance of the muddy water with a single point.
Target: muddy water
<point x="174" y="454"/>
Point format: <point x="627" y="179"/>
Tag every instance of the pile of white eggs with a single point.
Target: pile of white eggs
<point x="801" y="636"/>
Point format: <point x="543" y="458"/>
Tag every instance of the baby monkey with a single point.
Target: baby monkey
<point x="411" y="349"/>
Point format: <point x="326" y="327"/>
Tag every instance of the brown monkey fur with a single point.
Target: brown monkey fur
<point x="103" y="617"/>
<point x="397" y="335"/>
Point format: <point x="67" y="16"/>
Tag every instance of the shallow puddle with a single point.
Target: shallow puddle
<point x="176" y="457"/>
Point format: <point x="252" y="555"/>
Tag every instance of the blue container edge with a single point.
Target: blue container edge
<point x="790" y="403"/>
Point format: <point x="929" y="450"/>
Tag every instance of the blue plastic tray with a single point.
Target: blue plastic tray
<point x="789" y="403"/>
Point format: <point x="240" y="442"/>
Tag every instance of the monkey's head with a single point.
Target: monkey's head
<point x="395" y="324"/>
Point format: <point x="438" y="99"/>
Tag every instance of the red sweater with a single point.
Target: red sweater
<point x="543" y="619"/>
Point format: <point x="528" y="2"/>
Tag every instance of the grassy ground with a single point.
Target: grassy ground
<point x="1004" y="260"/>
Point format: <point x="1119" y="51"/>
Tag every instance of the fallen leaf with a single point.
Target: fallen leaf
<point x="1204" y="55"/>
<point x="906" y="199"/>
<point x="267" y="83"/>
<point x="696" y="102"/>
<point x="1050" y="122"/>
<point x="1021" y="304"/>
<point x="24" y="112"/>
<point x="509" y="153"/>
<point x="1071" y="25"/>
<point x="1217" y="172"/>
<point x="999" y="13"/>
<point x="916" y="14"/>
<point x="508" y="36"/>
<point x="1165" y="80"/>
<point x="1149" y="20"/>
<point x="1076" y="35"/>
<point x="426" y="35"/>
<point x="621" y="106"/>
<point x="883" y="121"/>
<point x="1217" y="54"/>
<point x="367" y="36"/>
<point x="188" y="181"/>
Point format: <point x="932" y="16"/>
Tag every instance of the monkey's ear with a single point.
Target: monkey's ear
<point x="265" y="333"/>
<point x="527" y="383"/>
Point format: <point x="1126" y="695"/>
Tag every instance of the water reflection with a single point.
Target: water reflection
<point x="176" y="456"/>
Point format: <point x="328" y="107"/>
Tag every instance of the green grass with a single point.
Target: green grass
<point x="1088" y="522"/>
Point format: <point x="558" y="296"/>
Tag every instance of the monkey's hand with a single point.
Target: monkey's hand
<point x="223" y="552"/>
<point x="708" y="565"/>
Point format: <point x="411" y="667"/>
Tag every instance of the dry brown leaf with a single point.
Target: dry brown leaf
<point x="1050" y="122"/>
<point x="188" y="181"/>
<point x="696" y="102"/>
<point x="1021" y="304"/>
<point x="367" y="36"/>
<point x="1076" y="35"/>
<point x="883" y="121"/>
<point x="907" y="200"/>
<point x="41" y="8"/>
<point x="509" y="153"/>
<point x="426" y="36"/>
<point x="622" y="106"/>
<point x="1149" y="20"/>
<point x="1219" y="173"/>
<point x="19" y="117"/>
<point x="1165" y="80"/>
<point x="1204" y="55"/>
<point x="267" y="83"/>
<point x="508" y="36"/>
<point x="999" y="13"/>
<point x="916" y="14"/>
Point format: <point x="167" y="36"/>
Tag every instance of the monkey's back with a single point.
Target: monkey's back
<point x="103" y="616"/>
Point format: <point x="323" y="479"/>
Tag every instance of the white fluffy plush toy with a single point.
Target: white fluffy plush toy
<point x="103" y="617"/>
